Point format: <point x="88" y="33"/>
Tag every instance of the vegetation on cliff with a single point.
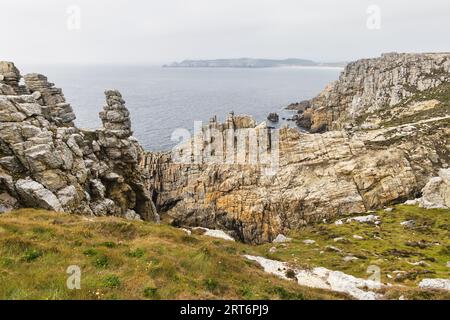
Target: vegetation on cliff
<point x="122" y="259"/>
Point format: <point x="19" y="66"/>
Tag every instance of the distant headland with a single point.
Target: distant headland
<point x="251" y="63"/>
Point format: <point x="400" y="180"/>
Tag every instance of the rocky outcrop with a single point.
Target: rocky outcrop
<point x="368" y="86"/>
<point x="9" y="79"/>
<point x="382" y="131"/>
<point x="51" y="99"/>
<point x="322" y="175"/>
<point x="436" y="193"/>
<point x="273" y="117"/>
<point x="47" y="162"/>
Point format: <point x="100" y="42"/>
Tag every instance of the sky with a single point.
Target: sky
<point x="163" y="31"/>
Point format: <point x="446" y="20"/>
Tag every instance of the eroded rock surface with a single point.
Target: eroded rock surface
<point x="370" y="86"/>
<point x="318" y="176"/>
<point x="46" y="162"/>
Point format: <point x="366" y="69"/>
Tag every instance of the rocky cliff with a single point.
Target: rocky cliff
<point x="47" y="162"/>
<point x="385" y="127"/>
<point x="404" y="143"/>
<point x="369" y="86"/>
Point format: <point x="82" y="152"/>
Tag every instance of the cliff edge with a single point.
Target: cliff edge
<point x="47" y="162"/>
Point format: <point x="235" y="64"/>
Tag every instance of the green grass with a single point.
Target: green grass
<point x="140" y="260"/>
<point x="119" y="259"/>
<point x="390" y="246"/>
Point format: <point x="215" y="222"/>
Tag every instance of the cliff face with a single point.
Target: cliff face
<point x="320" y="176"/>
<point x="390" y="119"/>
<point x="403" y="143"/>
<point x="369" y="85"/>
<point x="47" y="162"/>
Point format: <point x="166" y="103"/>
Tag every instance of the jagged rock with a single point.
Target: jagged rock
<point x="104" y="207"/>
<point x="51" y="164"/>
<point x="68" y="197"/>
<point x="10" y="75"/>
<point x="307" y="178"/>
<point x="98" y="189"/>
<point x="439" y="284"/>
<point x="35" y="195"/>
<point x="317" y="176"/>
<point x="273" y="117"/>
<point x="7" y="202"/>
<point x="132" y="215"/>
<point x="436" y="193"/>
<point x="47" y="95"/>
<point x="369" y="85"/>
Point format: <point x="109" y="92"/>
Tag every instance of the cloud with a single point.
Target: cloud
<point x="150" y="31"/>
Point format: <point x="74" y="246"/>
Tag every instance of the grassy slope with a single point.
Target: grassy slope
<point x="127" y="260"/>
<point x="391" y="247"/>
<point x="136" y="260"/>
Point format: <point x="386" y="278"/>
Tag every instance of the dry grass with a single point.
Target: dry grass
<point x="127" y="260"/>
<point x="120" y="259"/>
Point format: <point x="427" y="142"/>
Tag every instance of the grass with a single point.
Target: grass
<point x="421" y="251"/>
<point x="140" y="260"/>
<point x="128" y="260"/>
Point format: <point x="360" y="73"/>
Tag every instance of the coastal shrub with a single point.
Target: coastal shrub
<point x="151" y="293"/>
<point x="136" y="253"/>
<point x="112" y="281"/>
<point x="211" y="284"/>
<point x="101" y="261"/>
<point x="32" y="254"/>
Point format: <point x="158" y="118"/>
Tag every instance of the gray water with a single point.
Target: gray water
<point x="161" y="100"/>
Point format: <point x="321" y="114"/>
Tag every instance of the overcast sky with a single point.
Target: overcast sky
<point x="154" y="32"/>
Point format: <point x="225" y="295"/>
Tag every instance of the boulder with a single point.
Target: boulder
<point x="436" y="193"/>
<point x="36" y="195"/>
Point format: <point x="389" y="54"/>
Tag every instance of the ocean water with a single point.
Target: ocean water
<point x="161" y="100"/>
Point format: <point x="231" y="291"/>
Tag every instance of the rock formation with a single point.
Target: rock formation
<point x="384" y="132"/>
<point x="321" y="176"/>
<point x="369" y="86"/>
<point x="436" y="193"/>
<point x="47" y="162"/>
<point x="273" y="117"/>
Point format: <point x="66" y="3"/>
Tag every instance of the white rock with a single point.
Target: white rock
<point x="215" y="233"/>
<point x="388" y="209"/>
<point x="411" y="202"/>
<point x="308" y="241"/>
<point x="68" y="196"/>
<point x="448" y="264"/>
<point x="323" y="278"/>
<point x="362" y="219"/>
<point x="419" y="263"/>
<point x="281" y="239"/>
<point x="273" y="250"/>
<point x="189" y="232"/>
<point x="357" y="237"/>
<point x="440" y="284"/>
<point x="365" y="219"/>
<point x="37" y="196"/>
<point x="132" y="215"/>
<point x="408" y="224"/>
<point x="349" y="258"/>
<point x="436" y="193"/>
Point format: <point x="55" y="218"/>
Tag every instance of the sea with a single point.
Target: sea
<point x="162" y="100"/>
